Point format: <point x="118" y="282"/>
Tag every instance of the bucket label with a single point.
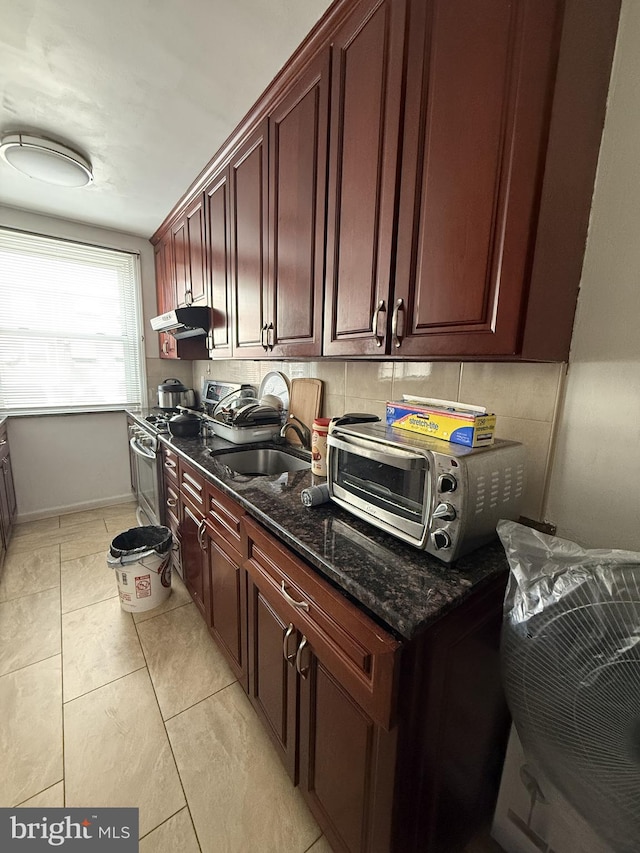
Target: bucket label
<point x="123" y="578"/>
<point x="125" y="596"/>
<point x="143" y="586"/>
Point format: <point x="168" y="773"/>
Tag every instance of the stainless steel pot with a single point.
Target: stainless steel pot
<point x="172" y="393"/>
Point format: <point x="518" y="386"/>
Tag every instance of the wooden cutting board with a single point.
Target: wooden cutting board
<point x="305" y="403"/>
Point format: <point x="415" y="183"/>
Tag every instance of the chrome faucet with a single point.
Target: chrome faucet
<point x="301" y="430"/>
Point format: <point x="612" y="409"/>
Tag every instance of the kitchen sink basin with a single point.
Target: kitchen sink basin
<point x="262" y="461"/>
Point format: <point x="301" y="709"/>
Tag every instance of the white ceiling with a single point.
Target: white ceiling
<point x="147" y="89"/>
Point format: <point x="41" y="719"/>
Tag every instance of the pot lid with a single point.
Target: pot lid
<point x="184" y="417"/>
<point x="170" y="385"/>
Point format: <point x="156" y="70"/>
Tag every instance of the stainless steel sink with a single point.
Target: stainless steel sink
<point x="261" y="461"/>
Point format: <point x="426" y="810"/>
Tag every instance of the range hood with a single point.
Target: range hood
<point x="189" y="322"/>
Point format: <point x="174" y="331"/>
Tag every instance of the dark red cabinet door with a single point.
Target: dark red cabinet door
<point x="218" y="241"/>
<point x="165" y="293"/>
<point x="297" y="193"/>
<point x="478" y="93"/>
<point x="195" y="563"/>
<point x="228" y="608"/>
<point x="346" y="764"/>
<point x="272" y="680"/>
<point x="196" y="290"/>
<point x="188" y="256"/>
<point x="248" y="182"/>
<point x="366" y="96"/>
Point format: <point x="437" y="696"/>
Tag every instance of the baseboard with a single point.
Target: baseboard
<point x="65" y="510"/>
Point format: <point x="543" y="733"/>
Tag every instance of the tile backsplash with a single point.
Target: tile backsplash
<point x="523" y="396"/>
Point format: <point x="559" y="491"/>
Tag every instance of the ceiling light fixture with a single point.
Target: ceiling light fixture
<point x="45" y="160"/>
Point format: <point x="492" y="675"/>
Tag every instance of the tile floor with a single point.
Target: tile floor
<point x="102" y="708"/>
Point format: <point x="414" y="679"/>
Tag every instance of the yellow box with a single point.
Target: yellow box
<point x="460" y="427"/>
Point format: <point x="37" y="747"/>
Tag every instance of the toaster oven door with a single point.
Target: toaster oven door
<point x="388" y="486"/>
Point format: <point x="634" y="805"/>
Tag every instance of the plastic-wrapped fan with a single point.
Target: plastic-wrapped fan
<point x="571" y="668"/>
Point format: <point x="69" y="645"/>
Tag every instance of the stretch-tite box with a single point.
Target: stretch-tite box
<point x="458" y="426"/>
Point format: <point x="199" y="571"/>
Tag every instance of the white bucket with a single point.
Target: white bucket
<point x="145" y="583"/>
<point x="143" y="578"/>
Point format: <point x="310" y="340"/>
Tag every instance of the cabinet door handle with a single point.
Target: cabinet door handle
<point x="263" y="338"/>
<point x="4" y="440"/>
<point x="165" y="347"/>
<point x="290" y="658"/>
<point x="303" y="673"/>
<point x="172" y="502"/>
<point x="301" y="605"/>
<point x="398" y="307"/>
<point x="170" y="465"/>
<point x="188" y="298"/>
<point x="381" y="309"/>
<point x="271" y="336"/>
<point x="201" y="529"/>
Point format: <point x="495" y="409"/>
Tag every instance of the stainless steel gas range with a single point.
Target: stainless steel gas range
<point x="146" y="465"/>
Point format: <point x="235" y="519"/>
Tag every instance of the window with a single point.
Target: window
<point x="70" y="334"/>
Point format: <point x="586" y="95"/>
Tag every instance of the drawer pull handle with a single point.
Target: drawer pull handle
<point x="170" y="465"/>
<point x="301" y="605"/>
<point x="303" y="673"/>
<point x="172" y="502"/>
<point x="201" y="529"/>
<point x="290" y="658"/>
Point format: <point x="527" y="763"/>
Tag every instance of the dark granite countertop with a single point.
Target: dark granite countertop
<point x="403" y="588"/>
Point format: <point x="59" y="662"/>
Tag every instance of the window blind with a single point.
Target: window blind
<point x="70" y="333"/>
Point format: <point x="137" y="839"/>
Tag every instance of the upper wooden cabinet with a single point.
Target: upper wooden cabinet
<point x="502" y="100"/>
<point x="448" y="214"/>
<point x="297" y="198"/>
<point x="218" y="243"/>
<point x="188" y="256"/>
<point x="249" y="211"/>
<point x="478" y="98"/>
<point x="278" y="186"/>
<point x="366" y="96"/>
<point x="165" y="293"/>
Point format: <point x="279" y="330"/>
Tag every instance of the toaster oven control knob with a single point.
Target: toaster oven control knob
<point x="444" y="511"/>
<point x="440" y="539"/>
<point x="447" y="483"/>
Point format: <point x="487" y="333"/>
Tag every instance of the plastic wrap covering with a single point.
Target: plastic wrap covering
<point x="571" y="667"/>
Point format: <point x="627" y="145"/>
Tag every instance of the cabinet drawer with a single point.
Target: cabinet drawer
<point x="191" y="485"/>
<point x="170" y="463"/>
<point x="223" y="521"/>
<point x="357" y="651"/>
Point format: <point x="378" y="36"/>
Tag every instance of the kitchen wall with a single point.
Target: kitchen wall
<point x="594" y="493"/>
<point x="524" y="396"/>
<point x="62" y="463"/>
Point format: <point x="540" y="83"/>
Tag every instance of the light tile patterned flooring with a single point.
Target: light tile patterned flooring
<point x="102" y="708"/>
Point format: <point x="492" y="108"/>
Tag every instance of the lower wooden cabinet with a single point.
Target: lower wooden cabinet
<point x="195" y="559"/>
<point x="347" y="763"/>
<point x="396" y="746"/>
<point x="8" y="504"/>
<point x="322" y="679"/>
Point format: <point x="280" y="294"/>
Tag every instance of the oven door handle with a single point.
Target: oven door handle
<point x="140" y="451"/>
<point x="397" y="458"/>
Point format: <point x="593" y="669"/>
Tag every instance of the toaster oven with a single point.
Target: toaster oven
<point x="442" y="497"/>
